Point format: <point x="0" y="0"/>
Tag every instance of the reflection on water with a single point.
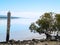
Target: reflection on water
<point x="19" y="29"/>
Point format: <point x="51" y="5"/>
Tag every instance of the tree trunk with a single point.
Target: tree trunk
<point x="48" y="36"/>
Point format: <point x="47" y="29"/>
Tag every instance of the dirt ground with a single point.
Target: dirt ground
<point x="49" y="43"/>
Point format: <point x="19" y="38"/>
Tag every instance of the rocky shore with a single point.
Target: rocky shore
<point x="31" y="42"/>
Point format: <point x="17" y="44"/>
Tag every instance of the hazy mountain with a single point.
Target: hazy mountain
<point x="5" y="17"/>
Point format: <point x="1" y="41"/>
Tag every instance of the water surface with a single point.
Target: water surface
<point x="19" y="30"/>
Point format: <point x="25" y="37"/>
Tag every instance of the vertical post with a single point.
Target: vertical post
<point x="8" y="26"/>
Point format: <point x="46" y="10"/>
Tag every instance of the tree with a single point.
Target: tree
<point x="47" y="23"/>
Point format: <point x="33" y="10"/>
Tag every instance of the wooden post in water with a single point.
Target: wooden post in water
<point x="8" y="27"/>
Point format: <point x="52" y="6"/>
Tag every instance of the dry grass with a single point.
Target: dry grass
<point x="49" y="43"/>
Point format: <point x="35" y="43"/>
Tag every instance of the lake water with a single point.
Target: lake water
<point x="19" y="30"/>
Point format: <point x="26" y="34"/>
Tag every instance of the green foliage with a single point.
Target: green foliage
<point x="46" y="23"/>
<point x="57" y="17"/>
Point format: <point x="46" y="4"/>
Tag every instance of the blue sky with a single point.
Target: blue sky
<point x="29" y="8"/>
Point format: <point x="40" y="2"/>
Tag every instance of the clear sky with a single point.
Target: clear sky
<point x="29" y="8"/>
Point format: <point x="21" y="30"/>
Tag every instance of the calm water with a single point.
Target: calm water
<point x="19" y="30"/>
